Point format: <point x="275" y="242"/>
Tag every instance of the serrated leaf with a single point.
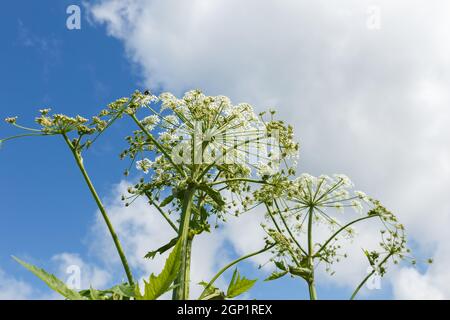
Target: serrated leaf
<point x="158" y="285"/>
<point x="123" y="290"/>
<point x="239" y="285"/>
<point x="276" y="275"/>
<point x="162" y="249"/>
<point x="119" y="292"/>
<point x="53" y="282"/>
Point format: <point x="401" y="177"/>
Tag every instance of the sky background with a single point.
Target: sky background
<point x="365" y="83"/>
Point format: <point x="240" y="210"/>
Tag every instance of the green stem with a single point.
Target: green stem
<point x="25" y="135"/>
<point x="165" y="216"/>
<point x="79" y="161"/>
<point x="232" y="264"/>
<point x="158" y="145"/>
<point x="311" y="285"/>
<point x="368" y="277"/>
<point x="341" y="229"/>
<point x="187" y="269"/>
<point x="293" y="254"/>
<point x="288" y="229"/>
<point x="181" y="292"/>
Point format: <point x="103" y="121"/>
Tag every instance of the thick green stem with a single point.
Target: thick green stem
<point x="79" y="161"/>
<point x="311" y="284"/>
<point x="181" y="292"/>
<point x="187" y="269"/>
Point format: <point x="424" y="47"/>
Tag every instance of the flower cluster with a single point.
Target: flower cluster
<point x="298" y="205"/>
<point x="207" y="142"/>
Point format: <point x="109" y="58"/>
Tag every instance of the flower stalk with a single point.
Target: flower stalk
<point x="79" y="160"/>
<point x="311" y="283"/>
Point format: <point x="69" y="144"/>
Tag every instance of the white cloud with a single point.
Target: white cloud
<point x="373" y="104"/>
<point x="70" y="266"/>
<point x="434" y="284"/>
<point x="421" y="290"/>
<point x="246" y="235"/>
<point x="14" y="289"/>
<point x="141" y="228"/>
<point x="62" y="265"/>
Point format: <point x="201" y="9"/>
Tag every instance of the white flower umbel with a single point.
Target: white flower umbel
<point x="207" y="153"/>
<point x="144" y="165"/>
<point x="295" y="207"/>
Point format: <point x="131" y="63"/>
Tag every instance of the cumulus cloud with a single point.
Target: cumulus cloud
<point x="14" y="289"/>
<point x="141" y="228"/>
<point x="369" y="102"/>
<point x="423" y="288"/>
<point x="78" y="273"/>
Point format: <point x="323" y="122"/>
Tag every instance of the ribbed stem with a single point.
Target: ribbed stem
<point x="123" y="259"/>
<point x="311" y="284"/>
<point x="181" y="292"/>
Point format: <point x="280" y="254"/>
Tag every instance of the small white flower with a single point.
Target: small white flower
<point x="168" y="137"/>
<point x="171" y="120"/>
<point x="345" y="180"/>
<point x="357" y="206"/>
<point x="145" y="165"/>
<point x="265" y="170"/>
<point x="339" y="206"/>
<point x="150" y="122"/>
<point x="361" y="195"/>
<point x="145" y="100"/>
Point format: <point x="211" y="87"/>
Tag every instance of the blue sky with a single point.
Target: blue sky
<point x="46" y="209"/>
<point x="75" y="72"/>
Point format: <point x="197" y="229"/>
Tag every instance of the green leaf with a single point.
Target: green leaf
<point x="119" y="292"/>
<point x="280" y="265"/>
<point x="158" y="285"/>
<point x="124" y="290"/>
<point x="92" y="294"/>
<point x="53" y="282"/>
<point x="239" y="285"/>
<point x="276" y="275"/>
<point x="161" y="250"/>
<point x="166" y="201"/>
<point x="213" y="194"/>
<point x="211" y="293"/>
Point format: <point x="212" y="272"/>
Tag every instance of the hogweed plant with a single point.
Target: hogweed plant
<point x="201" y="160"/>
